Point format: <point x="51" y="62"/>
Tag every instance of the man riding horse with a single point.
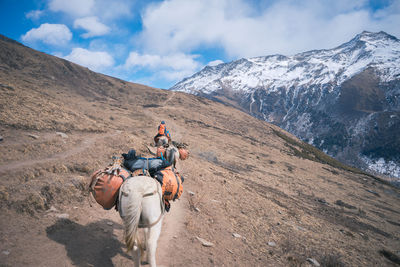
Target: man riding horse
<point x="162" y="131"/>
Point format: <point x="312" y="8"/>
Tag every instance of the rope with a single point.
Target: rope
<point x="162" y="209"/>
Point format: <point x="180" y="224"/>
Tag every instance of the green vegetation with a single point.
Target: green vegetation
<point x="303" y="150"/>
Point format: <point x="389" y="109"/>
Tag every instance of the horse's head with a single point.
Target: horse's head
<point x="161" y="141"/>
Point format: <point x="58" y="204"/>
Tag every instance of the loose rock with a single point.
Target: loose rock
<point x="191" y="193"/>
<point x="272" y="244"/>
<point x="34" y="136"/>
<point x="110" y="223"/>
<point x="313" y="262"/>
<point x="236" y="235"/>
<point x="63" y="135"/>
<point x="6" y="252"/>
<point x="205" y="242"/>
<point x="300" y="228"/>
<point x="63" y="216"/>
<point x="52" y="209"/>
<point x="1" y="138"/>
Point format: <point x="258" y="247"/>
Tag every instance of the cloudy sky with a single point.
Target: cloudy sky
<point x="158" y="43"/>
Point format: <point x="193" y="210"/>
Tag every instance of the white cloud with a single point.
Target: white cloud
<point x="115" y="9"/>
<point x="285" y="27"/>
<point x="176" y="61"/>
<point x="94" y="60"/>
<point x="34" y="14"/>
<point x="171" y="67"/>
<point x="214" y="63"/>
<point x="92" y="25"/>
<point x="52" y="34"/>
<point x="104" y="9"/>
<point x="72" y="7"/>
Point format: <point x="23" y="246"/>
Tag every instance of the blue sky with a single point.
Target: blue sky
<point x="158" y="43"/>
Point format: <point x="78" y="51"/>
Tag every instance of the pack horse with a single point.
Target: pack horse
<point x="141" y="189"/>
<point x="141" y="206"/>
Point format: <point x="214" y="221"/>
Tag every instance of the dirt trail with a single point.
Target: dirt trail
<point x="172" y="225"/>
<point x="87" y="142"/>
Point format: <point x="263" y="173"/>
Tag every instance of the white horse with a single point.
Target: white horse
<point x="141" y="206"/>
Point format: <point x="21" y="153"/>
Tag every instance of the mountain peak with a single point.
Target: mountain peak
<point x="367" y="36"/>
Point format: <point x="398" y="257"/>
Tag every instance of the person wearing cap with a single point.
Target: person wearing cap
<point x="162" y="131"/>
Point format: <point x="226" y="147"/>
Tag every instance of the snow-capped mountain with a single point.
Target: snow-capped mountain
<point x="345" y="101"/>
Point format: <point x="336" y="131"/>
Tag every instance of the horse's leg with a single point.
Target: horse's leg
<point x="152" y="239"/>
<point x="136" y="255"/>
<point x="144" y="252"/>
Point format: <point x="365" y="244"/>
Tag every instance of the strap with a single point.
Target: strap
<point x="179" y="184"/>
<point x="149" y="194"/>
<point x="162" y="209"/>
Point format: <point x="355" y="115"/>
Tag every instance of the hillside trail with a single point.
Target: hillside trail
<point x="87" y="142"/>
<point x="173" y="220"/>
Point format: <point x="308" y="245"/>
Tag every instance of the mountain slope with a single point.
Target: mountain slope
<point x="344" y="101"/>
<point x="260" y="195"/>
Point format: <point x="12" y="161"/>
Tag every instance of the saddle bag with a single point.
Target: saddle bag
<point x="160" y="152"/>
<point x="171" y="183"/>
<point x="105" y="185"/>
<point x="183" y="153"/>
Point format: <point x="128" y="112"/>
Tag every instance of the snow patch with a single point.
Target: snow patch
<point x="389" y="168"/>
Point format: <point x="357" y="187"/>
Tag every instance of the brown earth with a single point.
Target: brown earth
<point x="261" y="196"/>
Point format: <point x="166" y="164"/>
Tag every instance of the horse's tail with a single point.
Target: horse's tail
<point x="130" y="209"/>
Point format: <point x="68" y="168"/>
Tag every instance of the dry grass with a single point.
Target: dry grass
<point x="249" y="177"/>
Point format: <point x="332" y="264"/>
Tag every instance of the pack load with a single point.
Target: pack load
<point x="171" y="183"/>
<point x="105" y="184"/>
<point x="152" y="165"/>
<point x="183" y="153"/>
<point x="160" y="152"/>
